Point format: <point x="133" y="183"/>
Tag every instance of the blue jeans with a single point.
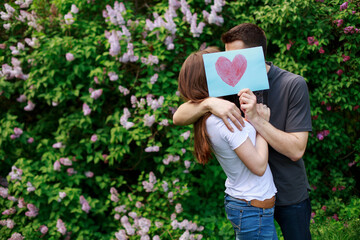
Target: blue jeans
<point x="294" y="220"/>
<point x="250" y="222"/>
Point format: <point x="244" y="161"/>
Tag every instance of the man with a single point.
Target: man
<point x="286" y="132"/>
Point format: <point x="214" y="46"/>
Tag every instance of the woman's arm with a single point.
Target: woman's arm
<point x="255" y="157"/>
<point x="190" y="112"/>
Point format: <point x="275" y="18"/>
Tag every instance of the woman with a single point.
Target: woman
<point x="243" y="155"/>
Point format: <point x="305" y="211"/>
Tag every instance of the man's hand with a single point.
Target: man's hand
<point x="248" y="103"/>
<point x="226" y="110"/>
<point x="263" y="111"/>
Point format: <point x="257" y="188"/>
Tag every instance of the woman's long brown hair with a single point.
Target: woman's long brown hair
<point x="193" y="87"/>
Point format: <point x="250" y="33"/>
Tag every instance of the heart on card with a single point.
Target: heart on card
<point x="231" y="71"/>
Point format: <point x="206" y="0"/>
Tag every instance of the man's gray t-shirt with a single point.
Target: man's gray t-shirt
<point x="288" y="99"/>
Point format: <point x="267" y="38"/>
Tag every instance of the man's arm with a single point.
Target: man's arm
<point x="190" y="112"/>
<point x="290" y="144"/>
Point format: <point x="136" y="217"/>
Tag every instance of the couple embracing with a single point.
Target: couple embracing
<point x="261" y="154"/>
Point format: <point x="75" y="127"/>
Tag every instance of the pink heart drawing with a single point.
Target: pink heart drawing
<point x="231" y="72"/>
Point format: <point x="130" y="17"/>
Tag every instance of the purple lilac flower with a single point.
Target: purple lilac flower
<point x="94" y="138"/>
<point x="33" y="211"/>
<point x="15" y="173"/>
<point x="84" y="204"/>
<point x="57" y="166"/>
<point x="69" y="19"/>
<point x="113" y="76"/>
<point x="61" y="226"/>
<point x="345" y="58"/>
<point x="21" y="203"/>
<point x="29" y="107"/>
<point x="74" y="9"/>
<point x="96" y="94"/>
<point x="43" y="229"/>
<point x="30" y="187"/>
<point x="124" y="90"/>
<point x="16" y="236"/>
<point x="69" y="57"/>
<point x="86" y="109"/>
<point x="185" y="135"/>
<point x="58" y="145"/>
<point x="149" y="120"/>
<point x="344" y="6"/>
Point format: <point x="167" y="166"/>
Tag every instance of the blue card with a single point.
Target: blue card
<point x="229" y="72"/>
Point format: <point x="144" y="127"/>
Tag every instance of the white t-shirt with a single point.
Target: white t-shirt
<point x="241" y="182"/>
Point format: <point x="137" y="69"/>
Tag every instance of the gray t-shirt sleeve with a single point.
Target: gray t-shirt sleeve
<point x="298" y="115"/>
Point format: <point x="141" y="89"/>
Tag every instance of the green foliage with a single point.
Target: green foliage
<point x="122" y="149"/>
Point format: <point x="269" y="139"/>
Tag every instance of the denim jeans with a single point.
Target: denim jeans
<point x="294" y="220"/>
<point x="250" y="222"/>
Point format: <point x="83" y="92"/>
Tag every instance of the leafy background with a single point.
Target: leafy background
<point x="87" y="92"/>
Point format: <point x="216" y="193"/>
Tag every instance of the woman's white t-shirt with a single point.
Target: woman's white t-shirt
<point x="241" y="182"/>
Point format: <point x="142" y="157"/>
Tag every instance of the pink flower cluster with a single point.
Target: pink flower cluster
<point x="30" y="187"/>
<point x="339" y="22"/>
<point x="69" y="19"/>
<point x="84" y="204"/>
<point x="95" y="94"/>
<point x="10" y="11"/>
<point x="351" y="30"/>
<point x="9" y="223"/>
<point x="16" y="50"/>
<point x="150" y="60"/>
<point x="213" y="18"/>
<point x="129" y="55"/>
<point x="33" y="211"/>
<point x="114" y="194"/>
<point x="17" y="133"/>
<point x="185" y="135"/>
<point x="15" y="173"/>
<point x="61" y="228"/>
<point x="124" y="90"/>
<point x="114" y="15"/>
<point x="154" y="103"/>
<point x="288" y="46"/>
<point x="312" y="41"/>
<point x="345" y="58"/>
<point x="152" y="149"/>
<point x="149" y="120"/>
<point x="170" y="159"/>
<point x="344" y="6"/>
<point x="21" y="203"/>
<point x="4" y="192"/>
<point x="13" y="72"/>
<point x="340" y="188"/>
<point x="124" y="119"/>
<point x="189" y="226"/>
<point x="86" y="109"/>
<point x="63" y="161"/>
<point x="43" y="229"/>
<point x="149" y="186"/>
<point x="58" y="145"/>
<point x="113" y="39"/>
<point x="16" y="236"/>
<point x="9" y="211"/>
<point x="322" y="134"/>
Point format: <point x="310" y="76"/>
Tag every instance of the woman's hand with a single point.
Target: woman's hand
<point x="263" y="111"/>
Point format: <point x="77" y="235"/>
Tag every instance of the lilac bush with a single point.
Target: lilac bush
<point x="87" y="92"/>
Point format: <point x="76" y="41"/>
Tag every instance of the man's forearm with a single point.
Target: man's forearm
<point x="189" y="113"/>
<point x="292" y="145"/>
